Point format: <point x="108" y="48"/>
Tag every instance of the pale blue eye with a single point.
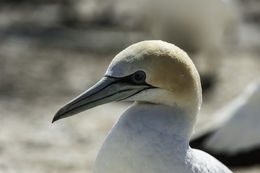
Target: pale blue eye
<point x="139" y="77"/>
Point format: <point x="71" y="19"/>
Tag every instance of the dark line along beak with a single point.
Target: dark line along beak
<point x="106" y="90"/>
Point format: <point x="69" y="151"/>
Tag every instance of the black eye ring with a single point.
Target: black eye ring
<point x="139" y="77"/>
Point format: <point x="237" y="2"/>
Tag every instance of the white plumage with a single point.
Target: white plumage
<point x="234" y="136"/>
<point x="151" y="139"/>
<point x="153" y="134"/>
<point x="241" y="131"/>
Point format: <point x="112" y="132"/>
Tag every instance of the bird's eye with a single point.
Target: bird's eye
<point x="139" y="77"/>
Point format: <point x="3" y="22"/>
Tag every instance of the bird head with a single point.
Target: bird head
<point x="154" y="71"/>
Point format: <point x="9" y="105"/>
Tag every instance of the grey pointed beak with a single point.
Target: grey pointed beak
<point x="106" y="90"/>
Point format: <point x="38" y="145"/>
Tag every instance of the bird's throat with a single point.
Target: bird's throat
<point x="142" y="134"/>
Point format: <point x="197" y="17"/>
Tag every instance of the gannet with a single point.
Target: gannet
<point x="195" y="30"/>
<point x="200" y="26"/>
<point x="153" y="134"/>
<point x="236" y="139"/>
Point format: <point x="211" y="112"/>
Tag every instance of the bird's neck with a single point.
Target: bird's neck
<point x="145" y="139"/>
<point x="161" y="119"/>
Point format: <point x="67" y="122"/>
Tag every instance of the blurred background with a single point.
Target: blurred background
<point x="52" y="50"/>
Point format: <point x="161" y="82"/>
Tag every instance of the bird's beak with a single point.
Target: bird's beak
<point x="106" y="90"/>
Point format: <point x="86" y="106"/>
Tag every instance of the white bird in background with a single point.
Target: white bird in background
<point x="200" y="26"/>
<point x="235" y="140"/>
<point x="153" y="134"/>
